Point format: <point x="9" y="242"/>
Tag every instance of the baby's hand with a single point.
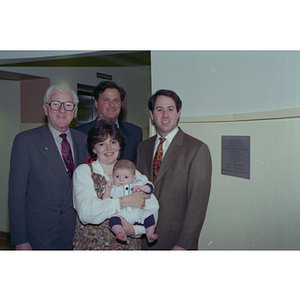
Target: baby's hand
<point x="136" y="189"/>
<point x="142" y="188"/>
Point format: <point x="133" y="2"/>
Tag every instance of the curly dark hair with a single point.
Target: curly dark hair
<point x="168" y="93"/>
<point x="100" y="132"/>
<point x="103" y="85"/>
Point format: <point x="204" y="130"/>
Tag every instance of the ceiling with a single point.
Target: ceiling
<point x="74" y="58"/>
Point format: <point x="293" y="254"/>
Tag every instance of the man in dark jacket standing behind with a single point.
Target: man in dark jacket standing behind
<point x="108" y="100"/>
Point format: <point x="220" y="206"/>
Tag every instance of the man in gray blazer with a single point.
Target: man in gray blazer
<point x="40" y="188"/>
<point x="183" y="181"/>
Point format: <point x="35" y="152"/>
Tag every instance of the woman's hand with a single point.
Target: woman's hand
<point x="135" y="200"/>
<point x="128" y="228"/>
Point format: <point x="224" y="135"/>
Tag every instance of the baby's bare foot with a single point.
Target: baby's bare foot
<point x="152" y="238"/>
<point x="121" y="236"/>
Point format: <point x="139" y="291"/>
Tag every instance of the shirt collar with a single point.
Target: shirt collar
<point x="56" y="133"/>
<point x="170" y="136"/>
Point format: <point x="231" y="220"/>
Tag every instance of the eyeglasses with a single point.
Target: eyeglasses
<point x="56" y="105"/>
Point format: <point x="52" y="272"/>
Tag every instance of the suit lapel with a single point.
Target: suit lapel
<point x="49" y="149"/>
<point x="149" y="157"/>
<point x="126" y="134"/>
<point x="145" y="155"/>
<point x="171" y="154"/>
<point x="75" y="149"/>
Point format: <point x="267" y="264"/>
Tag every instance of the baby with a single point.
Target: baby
<point x="125" y="183"/>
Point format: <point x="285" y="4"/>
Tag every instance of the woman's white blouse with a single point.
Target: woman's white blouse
<point x="91" y="209"/>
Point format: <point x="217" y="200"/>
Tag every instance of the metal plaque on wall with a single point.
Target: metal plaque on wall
<point x="236" y="156"/>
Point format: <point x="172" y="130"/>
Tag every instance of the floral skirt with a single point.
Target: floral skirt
<point x="99" y="237"/>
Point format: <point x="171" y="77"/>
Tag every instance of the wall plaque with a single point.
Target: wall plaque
<point x="236" y="156"/>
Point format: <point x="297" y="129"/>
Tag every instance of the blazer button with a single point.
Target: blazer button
<point x="61" y="212"/>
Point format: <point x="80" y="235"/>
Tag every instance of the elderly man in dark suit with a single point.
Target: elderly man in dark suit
<point x="40" y="182"/>
<point x="181" y="174"/>
<point x="108" y="100"/>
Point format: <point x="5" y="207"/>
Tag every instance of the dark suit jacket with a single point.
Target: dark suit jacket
<point x="40" y="191"/>
<point x="133" y="136"/>
<point x="182" y="188"/>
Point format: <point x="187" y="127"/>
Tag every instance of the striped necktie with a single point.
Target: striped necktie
<point x="158" y="158"/>
<point x="67" y="155"/>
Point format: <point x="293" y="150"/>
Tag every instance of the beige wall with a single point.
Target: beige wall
<point x="263" y="212"/>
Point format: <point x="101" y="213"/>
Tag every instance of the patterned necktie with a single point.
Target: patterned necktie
<point x="67" y="155"/>
<point x="158" y="158"/>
